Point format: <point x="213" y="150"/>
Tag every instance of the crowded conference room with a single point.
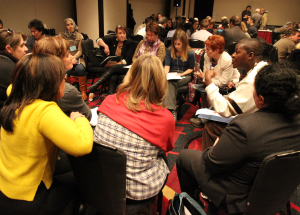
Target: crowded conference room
<point x="163" y="107"/>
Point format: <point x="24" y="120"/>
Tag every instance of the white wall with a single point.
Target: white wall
<point x="87" y="18"/>
<point x="16" y="14"/>
<point x="115" y="12"/>
<point x="279" y="11"/>
<point x="145" y="8"/>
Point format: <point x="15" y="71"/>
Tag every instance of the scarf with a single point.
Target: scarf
<point x="67" y="34"/>
<point x="153" y="50"/>
<point x="156" y="127"/>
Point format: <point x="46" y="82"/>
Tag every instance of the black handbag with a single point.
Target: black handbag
<point x="95" y="57"/>
<point x="183" y="204"/>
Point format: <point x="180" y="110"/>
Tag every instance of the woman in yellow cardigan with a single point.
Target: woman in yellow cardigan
<point x="33" y="128"/>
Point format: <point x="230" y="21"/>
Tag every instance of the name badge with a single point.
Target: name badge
<point x="73" y="48"/>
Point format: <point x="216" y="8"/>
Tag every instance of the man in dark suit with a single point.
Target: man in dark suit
<point x="162" y="22"/>
<point x="234" y="33"/>
<point x="191" y="169"/>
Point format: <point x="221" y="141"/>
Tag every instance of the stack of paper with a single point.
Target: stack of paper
<point x="212" y="115"/>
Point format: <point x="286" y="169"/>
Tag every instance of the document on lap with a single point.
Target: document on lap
<point x="173" y="76"/>
<point x="212" y="115"/>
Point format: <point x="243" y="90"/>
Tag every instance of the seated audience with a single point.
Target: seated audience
<point x="224" y="25"/>
<point x="248" y="56"/>
<point x="221" y="26"/>
<point x="234" y="33"/>
<point x="202" y="34"/>
<point x="118" y="45"/>
<point x="193" y="28"/>
<point x="33" y="128"/>
<point x="162" y="22"/>
<point x="179" y="26"/>
<point x="72" y="100"/>
<point x="74" y="37"/>
<point x="37" y="32"/>
<point x="180" y="59"/>
<point x="12" y="49"/>
<point x="252" y="30"/>
<point x="286" y="45"/>
<point x="226" y="171"/>
<point x="151" y="45"/>
<point x="212" y="27"/>
<point x="169" y="25"/>
<point x="245" y="29"/>
<point x="136" y="121"/>
<point x="142" y="31"/>
<point x="283" y="29"/>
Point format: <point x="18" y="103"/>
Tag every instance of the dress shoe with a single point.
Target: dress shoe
<point x="197" y="122"/>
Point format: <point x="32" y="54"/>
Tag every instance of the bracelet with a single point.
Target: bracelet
<point x="77" y="117"/>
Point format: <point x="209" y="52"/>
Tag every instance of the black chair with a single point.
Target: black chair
<point x="101" y="177"/>
<point x="254" y="35"/>
<point x="137" y="37"/>
<point x="168" y="41"/>
<point x="231" y="48"/>
<point x="92" y="58"/>
<point x="276" y="181"/>
<point x="196" y="43"/>
<point x="272" y="53"/>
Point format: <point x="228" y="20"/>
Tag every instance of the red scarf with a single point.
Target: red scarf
<point x="156" y="127"/>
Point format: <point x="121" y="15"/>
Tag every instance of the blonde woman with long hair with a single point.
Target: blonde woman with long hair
<point x="180" y="59"/>
<point x="136" y="120"/>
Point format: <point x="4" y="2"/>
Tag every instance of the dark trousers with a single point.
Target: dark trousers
<point x="61" y="198"/>
<point x="77" y="70"/>
<point x="173" y="85"/>
<point x="116" y="71"/>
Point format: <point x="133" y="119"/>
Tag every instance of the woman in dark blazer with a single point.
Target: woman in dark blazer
<point x="117" y="45"/>
<point x="226" y="171"/>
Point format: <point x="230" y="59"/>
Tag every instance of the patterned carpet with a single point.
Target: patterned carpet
<point x="187" y="137"/>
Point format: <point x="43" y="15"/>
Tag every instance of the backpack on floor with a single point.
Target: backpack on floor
<point x="183" y="204"/>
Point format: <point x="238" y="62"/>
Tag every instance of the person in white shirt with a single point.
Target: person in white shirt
<point x="203" y="34"/>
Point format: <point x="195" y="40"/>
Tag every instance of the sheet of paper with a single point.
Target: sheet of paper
<point x="173" y="76"/>
<point x="94" y="118"/>
<point x="212" y="115"/>
<point x="127" y="66"/>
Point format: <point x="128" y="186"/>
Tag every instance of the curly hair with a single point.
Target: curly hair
<point x="278" y="84"/>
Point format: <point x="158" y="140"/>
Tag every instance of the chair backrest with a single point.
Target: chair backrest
<point x="273" y="53"/>
<point x="86" y="45"/>
<point x="196" y="43"/>
<point x="231" y="48"/>
<point x="277" y="179"/>
<point x="137" y="37"/>
<point x="101" y="176"/>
